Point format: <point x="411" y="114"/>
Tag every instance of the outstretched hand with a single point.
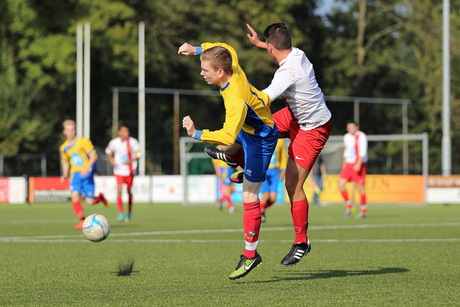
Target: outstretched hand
<point x="254" y="38"/>
<point x="186" y="49"/>
<point x="188" y="124"/>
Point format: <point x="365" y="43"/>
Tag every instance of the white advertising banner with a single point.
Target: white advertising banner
<point x="108" y="186"/>
<point x="202" y="188"/>
<point x="167" y="189"/>
<point x="443" y="196"/>
<point x="17" y="190"/>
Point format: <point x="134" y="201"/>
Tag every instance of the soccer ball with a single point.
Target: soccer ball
<point x="96" y="227"/>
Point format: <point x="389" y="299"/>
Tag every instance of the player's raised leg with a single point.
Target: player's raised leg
<point x="216" y="153"/>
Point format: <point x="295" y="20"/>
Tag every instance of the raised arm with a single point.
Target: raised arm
<point x="254" y="38"/>
<point x="187" y="49"/>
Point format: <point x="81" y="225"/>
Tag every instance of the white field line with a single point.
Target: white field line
<point x="79" y="238"/>
<point x="227" y="241"/>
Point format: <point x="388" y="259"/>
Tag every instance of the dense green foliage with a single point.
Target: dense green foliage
<point x="398" y="256"/>
<point x="390" y="50"/>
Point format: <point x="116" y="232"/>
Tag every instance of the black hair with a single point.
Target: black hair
<point x="352" y="122"/>
<point x="278" y="35"/>
<point x="123" y="124"/>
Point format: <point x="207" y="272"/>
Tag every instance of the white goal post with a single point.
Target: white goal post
<point x="185" y="157"/>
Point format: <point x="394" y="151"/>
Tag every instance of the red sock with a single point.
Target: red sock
<point x="238" y="157"/>
<point x="299" y="212"/>
<point x="345" y="195"/>
<point x="120" y="204"/>
<point x="78" y="209"/>
<point x="251" y="225"/>
<point x="130" y="203"/>
<point x="269" y="203"/>
<point x="229" y="201"/>
<point x="262" y="207"/>
<point x="363" y="199"/>
<point x="363" y="204"/>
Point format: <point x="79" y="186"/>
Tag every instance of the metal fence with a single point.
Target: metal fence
<point x="48" y="165"/>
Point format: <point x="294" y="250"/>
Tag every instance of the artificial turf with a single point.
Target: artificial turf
<point x="182" y="255"/>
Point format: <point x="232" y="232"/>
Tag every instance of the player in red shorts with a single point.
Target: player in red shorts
<point x="354" y="166"/>
<point x="306" y="121"/>
<point x="123" y="153"/>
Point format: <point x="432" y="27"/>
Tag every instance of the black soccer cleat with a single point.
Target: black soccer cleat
<point x="296" y="253"/>
<point x="219" y="154"/>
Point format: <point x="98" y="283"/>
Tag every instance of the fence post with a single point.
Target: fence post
<point x="43" y="164"/>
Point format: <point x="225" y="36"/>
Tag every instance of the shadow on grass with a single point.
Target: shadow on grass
<point x="323" y="274"/>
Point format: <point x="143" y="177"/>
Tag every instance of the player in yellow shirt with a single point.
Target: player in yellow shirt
<point x="78" y="158"/>
<point x="275" y="173"/>
<point x="248" y="125"/>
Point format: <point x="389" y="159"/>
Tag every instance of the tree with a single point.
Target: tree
<point x="397" y="55"/>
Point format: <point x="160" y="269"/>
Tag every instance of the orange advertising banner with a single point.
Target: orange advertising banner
<point x="381" y="189"/>
<point x="439" y="181"/>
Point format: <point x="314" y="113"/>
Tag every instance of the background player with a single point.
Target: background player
<point x="275" y="173"/>
<point x="354" y="166"/>
<point x="248" y="125"/>
<point x="319" y="174"/>
<point x="123" y="153"/>
<point x="226" y="187"/>
<point x="78" y="157"/>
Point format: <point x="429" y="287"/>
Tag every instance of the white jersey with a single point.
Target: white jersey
<point x="295" y="82"/>
<point x="355" y="146"/>
<point x="122" y="155"/>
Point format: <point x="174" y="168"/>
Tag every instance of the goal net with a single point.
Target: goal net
<point x="397" y="169"/>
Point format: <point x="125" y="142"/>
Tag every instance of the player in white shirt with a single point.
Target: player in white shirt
<point x="123" y="153"/>
<point x="306" y="121"/>
<point x="354" y="166"/>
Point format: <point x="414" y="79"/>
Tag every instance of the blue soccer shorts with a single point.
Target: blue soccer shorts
<point x="258" y="152"/>
<point x="271" y="182"/>
<point x="83" y="185"/>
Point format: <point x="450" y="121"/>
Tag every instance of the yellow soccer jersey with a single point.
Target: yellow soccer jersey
<point x="77" y="155"/>
<point x="220" y="163"/>
<point x="246" y="107"/>
<point x="279" y="158"/>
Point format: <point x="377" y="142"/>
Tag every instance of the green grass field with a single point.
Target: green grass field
<point x="398" y="256"/>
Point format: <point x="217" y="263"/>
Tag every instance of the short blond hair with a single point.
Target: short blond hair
<point x="219" y="57"/>
<point x="68" y="122"/>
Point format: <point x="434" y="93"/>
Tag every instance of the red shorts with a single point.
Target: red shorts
<point x="128" y="180"/>
<point x="349" y="173"/>
<point x="305" y="146"/>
